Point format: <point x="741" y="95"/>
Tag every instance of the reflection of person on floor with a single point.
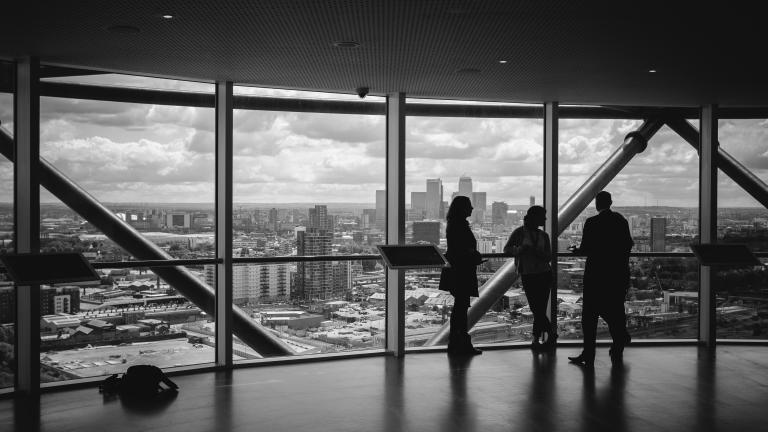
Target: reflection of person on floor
<point x="606" y="242"/>
<point x="460" y="277"/>
<point x="531" y="248"/>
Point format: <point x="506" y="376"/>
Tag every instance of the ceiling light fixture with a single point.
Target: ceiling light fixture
<point x="167" y="16"/>
<point x="503" y="61"/>
<point x="652" y="71"/>
<point x="346" y="44"/>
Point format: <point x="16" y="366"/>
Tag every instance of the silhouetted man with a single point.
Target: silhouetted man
<point x="606" y="242"/>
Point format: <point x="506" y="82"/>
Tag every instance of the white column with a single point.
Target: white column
<point x="395" y="221"/>
<point x="27" y="220"/>
<point x="707" y="220"/>
<point x="551" y="118"/>
<point x="224" y="224"/>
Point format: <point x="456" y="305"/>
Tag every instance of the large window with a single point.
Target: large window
<point x="657" y="192"/>
<point x="132" y="181"/>
<point x="151" y="169"/>
<point x="741" y="308"/>
<point x="498" y="164"/>
<point x="310" y="184"/>
<point x="7" y="289"/>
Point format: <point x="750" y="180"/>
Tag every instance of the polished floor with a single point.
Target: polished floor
<point x="658" y="389"/>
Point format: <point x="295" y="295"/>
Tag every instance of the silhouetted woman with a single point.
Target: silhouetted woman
<point x="460" y="278"/>
<point x="532" y="252"/>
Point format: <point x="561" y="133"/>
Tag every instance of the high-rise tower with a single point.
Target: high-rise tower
<point x="658" y="233"/>
<point x="465" y="186"/>
<point x="434" y="198"/>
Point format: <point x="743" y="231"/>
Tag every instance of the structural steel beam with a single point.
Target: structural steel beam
<point x="499" y="283"/>
<point x="253" y="334"/>
<point x="634" y="143"/>
<point x="725" y="162"/>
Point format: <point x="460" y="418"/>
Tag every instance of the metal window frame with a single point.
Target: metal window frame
<point x="395" y="221"/>
<point x="223" y="209"/>
<point x="708" y="148"/>
<point x="551" y="148"/>
<point x="27" y="220"/>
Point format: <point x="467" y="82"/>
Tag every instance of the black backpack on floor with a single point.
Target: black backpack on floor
<point x="138" y="382"/>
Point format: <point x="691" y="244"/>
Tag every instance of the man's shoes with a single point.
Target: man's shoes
<point x="582" y="361"/>
<point x="550" y="344"/>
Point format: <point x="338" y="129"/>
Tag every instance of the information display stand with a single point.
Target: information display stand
<point x="49" y="268"/>
<point x="412" y="256"/>
<point x="728" y="255"/>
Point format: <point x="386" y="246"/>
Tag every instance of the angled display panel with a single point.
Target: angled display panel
<point x="49" y="268"/>
<point x="412" y="256"/>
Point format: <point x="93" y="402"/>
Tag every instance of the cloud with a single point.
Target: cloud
<point x="122" y="151"/>
<point x="746" y="140"/>
<point x="105" y="167"/>
<point x="340" y="127"/>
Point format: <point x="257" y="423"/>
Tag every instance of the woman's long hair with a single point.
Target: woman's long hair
<point x="534" y="213"/>
<point x="459" y="208"/>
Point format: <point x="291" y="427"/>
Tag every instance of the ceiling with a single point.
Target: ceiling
<point x="562" y="50"/>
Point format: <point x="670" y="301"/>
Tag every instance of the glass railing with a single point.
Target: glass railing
<point x="661" y="303"/>
<point x="7" y="332"/>
<point x="314" y="305"/>
<point x="132" y="316"/>
<point x="741" y="302"/>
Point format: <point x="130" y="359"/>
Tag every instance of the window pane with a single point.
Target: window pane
<point x="354" y="321"/>
<point x="131" y="317"/>
<point x="498" y="164"/>
<point x="741" y="312"/>
<point x="657" y="192"/>
<point x="305" y="183"/>
<point x="151" y="165"/>
<point x="7" y="289"/>
<point x="152" y="168"/>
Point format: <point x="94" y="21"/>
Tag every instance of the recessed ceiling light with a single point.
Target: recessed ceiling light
<point x="168" y="16"/>
<point x="652" y="71"/>
<point x="346" y="44"/>
<point x="122" y="28"/>
<point x="503" y="61"/>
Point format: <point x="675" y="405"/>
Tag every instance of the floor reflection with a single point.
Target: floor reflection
<point x="603" y="408"/>
<point x="460" y="414"/>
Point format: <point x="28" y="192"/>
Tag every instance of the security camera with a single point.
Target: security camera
<point x="362" y="92"/>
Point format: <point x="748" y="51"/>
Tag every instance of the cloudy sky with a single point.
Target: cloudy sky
<point x="152" y="153"/>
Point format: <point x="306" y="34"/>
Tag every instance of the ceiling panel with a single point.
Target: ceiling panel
<point x="568" y="51"/>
